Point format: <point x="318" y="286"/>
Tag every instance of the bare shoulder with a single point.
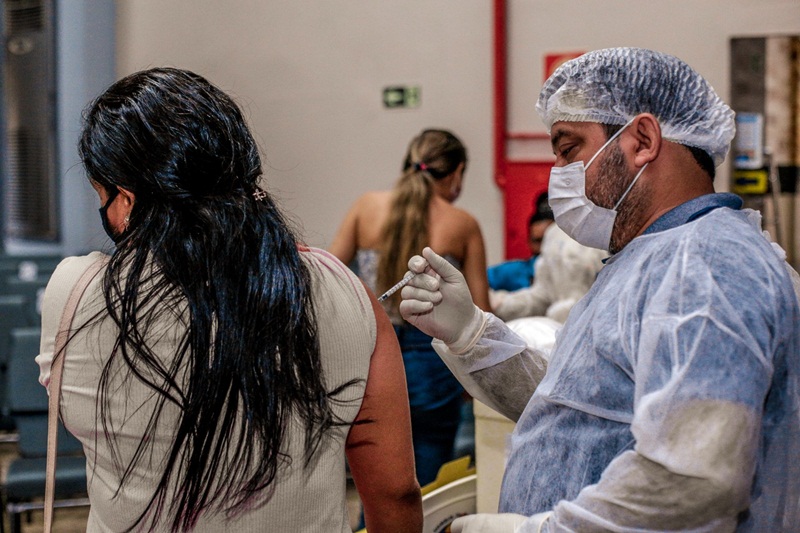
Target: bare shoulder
<point x="456" y="217"/>
<point x="371" y="207"/>
<point x="369" y="214"/>
<point x="374" y="199"/>
<point x="451" y="229"/>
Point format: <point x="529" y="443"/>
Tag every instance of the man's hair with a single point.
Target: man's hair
<point x="700" y="156"/>
<point x="542" y="210"/>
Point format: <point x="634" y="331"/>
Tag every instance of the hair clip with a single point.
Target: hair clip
<point x="259" y="195"/>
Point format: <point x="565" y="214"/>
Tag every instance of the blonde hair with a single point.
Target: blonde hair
<point x="432" y="155"/>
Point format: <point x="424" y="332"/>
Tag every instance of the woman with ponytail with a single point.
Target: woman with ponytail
<point x="218" y="372"/>
<point x="380" y="233"/>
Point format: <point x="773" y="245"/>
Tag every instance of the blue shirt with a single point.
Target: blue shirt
<point x="511" y="275"/>
<point x="692" y="210"/>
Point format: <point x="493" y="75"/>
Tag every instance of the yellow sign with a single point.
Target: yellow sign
<point x="754" y="181"/>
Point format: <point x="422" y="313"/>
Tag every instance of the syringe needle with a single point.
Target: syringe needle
<point x="397" y="286"/>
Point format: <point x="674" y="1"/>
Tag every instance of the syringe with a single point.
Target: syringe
<point x="397" y="286"/>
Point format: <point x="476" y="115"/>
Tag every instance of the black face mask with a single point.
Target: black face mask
<point x="104" y="218"/>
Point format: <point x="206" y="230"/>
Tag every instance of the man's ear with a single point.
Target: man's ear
<point x="646" y="131"/>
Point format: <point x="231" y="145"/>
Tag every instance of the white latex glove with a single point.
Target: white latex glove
<point x="499" y="523"/>
<point x="438" y="302"/>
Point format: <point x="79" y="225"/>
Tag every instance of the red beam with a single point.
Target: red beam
<point x="500" y="94"/>
<point x="528" y="136"/>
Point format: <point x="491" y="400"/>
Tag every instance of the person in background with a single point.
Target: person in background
<point x="671" y="400"/>
<point x="565" y="270"/>
<point x="219" y="371"/>
<point x="518" y="274"/>
<point x="380" y="232"/>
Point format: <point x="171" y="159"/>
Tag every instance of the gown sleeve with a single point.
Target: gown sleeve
<point x="500" y="370"/>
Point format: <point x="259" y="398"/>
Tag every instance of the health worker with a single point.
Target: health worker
<point x="670" y="399"/>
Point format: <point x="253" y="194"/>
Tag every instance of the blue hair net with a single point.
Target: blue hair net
<point x="613" y="85"/>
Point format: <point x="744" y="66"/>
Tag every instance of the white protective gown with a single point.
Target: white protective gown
<point x="671" y="398"/>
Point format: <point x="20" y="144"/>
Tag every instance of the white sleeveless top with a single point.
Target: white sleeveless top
<point x="308" y="499"/>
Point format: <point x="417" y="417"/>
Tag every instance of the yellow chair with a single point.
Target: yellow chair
<point x="450" y="495"/>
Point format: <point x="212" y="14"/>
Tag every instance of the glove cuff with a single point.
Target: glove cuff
<point x="470" y="334"/>
<point x="543" y="525"/>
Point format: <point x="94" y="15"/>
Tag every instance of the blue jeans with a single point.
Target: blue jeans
<point x="433" y="433"/>
<point x="435" y="397"/>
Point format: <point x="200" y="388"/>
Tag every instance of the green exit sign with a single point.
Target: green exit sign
<point x="401" y="96"/>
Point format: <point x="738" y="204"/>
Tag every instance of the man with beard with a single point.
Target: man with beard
<point x="670" y="400"/>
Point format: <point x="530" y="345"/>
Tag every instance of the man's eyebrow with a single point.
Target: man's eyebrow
<point x="557" y="137"/>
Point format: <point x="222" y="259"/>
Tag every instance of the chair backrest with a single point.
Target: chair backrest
<point x="23" y="397"/>
<point x="15" y="263"/>
<point x="13" y="314"/>
<point x="33" y="291"/>
<point x="25" y="268"/>
<point x="27" y="399"/>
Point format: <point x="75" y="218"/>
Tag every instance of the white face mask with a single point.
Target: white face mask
<point x="579" y="217"/>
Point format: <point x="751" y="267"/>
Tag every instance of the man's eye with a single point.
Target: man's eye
<point x="565" y="151"/>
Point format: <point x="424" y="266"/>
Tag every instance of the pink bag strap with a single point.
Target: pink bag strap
<point x="56" y="369"/>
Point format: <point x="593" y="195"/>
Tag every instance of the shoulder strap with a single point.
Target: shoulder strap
<point x="59" y="353"/>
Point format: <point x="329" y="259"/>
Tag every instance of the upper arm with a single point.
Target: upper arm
<point x="379" y="449"/>
<point x="474" y="268"/>
<point x="345" y="242"/>
<point x="56" y="295"/>
<point x="708" y="336"/>
<point x="532" y="301"/>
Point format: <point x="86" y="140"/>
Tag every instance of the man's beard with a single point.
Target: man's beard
<point x="612" y="180"/>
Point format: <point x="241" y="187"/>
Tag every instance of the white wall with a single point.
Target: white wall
<point x="310" y="75"/>
<point x="697" y="31"/>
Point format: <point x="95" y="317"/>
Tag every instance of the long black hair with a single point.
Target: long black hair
<point x="205" y="246"/>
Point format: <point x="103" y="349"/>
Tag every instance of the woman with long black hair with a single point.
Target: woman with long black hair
<point x="218" y="372"/>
